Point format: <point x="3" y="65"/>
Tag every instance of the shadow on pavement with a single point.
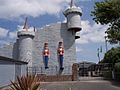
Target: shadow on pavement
<point x="115" y="83"/>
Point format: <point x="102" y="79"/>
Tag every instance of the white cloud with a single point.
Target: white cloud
<point x="12" y="35"/>
<point x="20" y="28"/>
<point x="3" y="42"/>
<point x="91" y="33"/>
<point x="35" y="8"/>
<point x="6" y="36"/>
<point x="78" y="49"/>
<point x="3" y="32"/>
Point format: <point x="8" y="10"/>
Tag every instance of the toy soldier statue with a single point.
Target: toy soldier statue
<point x="60" y="53"/>
<point x="46" y="55"/>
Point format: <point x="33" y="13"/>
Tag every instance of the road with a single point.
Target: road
<point x="80" y="85"/>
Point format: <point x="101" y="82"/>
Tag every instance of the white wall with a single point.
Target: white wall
<point x="7" y="73"/>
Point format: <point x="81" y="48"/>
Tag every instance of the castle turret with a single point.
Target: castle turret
<point x="25" y="44"/>
<point x="73" y="14"/>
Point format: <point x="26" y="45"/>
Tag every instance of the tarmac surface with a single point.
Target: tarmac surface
<point x="84" y="84"/>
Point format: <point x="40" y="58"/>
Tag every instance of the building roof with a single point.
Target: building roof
<point x="9" y="61"/>
<point x="85" y="64"/>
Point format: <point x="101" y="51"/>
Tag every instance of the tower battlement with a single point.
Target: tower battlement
<point x="25" y="44"/>
<point x="26" y="33"/>
<point x="73" y="14"/>
<point x="73" y="10"/>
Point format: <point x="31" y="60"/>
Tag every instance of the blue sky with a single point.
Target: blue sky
<point x="43" y="12"/>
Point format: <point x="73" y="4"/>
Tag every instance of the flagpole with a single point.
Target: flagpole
<point x="71" y="4"/>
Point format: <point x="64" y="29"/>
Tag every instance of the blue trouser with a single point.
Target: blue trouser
<point x="61" y="61"/>
<point x="46" y="61"/>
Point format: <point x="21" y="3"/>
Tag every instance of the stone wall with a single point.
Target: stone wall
<point x="53" y="34"/>
<point x="75" y="72"/>
<point x="44" y="78"/>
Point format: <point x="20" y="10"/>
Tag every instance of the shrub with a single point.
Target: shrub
<point x="117" y="71"/>
<point x="29" y="82"/>
<point x="117" y="67"/>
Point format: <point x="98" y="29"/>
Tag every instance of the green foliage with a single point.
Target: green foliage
<point x="117" y="67"/>
<point x="108" y="12"/>
<point x="112" y="56"/>
<point x="29" y="82"/>
<point x="117" y="71"/>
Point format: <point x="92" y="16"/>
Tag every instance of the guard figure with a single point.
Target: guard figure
<point x="46" y="55"/>
<point x="60" y="53"/>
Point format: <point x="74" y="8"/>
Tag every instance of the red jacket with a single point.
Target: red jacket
<point x="60" y="51"/>
<point x="46" y="52"/>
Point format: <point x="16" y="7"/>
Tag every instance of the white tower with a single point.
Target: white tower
<point x="25" y="44"/>
<point x="73" y="14"/>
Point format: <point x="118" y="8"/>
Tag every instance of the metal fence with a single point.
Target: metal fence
<point x="52" y="70"/>
<point x="117" y="76"/>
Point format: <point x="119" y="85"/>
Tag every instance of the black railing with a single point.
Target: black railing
<point x="52" y="70"/>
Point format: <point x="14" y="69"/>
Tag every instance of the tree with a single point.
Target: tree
<point x="112" y="56"/>
<point x="108" y="12"/>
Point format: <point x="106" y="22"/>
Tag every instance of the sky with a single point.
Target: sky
<point x="44" y="12"/>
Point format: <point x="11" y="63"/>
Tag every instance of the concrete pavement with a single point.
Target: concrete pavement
<point x="85" y="83"/>
<point x="80" y="85"/>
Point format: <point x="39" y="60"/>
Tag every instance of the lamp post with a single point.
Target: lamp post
<point x="106" y="46"/>
<point x="98" y="54"/>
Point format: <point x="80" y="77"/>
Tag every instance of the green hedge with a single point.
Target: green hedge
<point x="117" y="67"/>
<point x="107" y="74"/>
<point x="117" y="71"/>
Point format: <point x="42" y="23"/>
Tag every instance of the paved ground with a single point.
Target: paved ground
<point x="85" y="83"/>
<point x="81" y="85"/>
<point x="90" y="78"/>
